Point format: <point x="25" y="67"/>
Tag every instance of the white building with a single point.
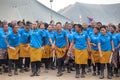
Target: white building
<point x="31" y="10"/>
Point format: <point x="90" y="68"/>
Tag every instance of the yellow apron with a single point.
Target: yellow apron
<point x="35" y="54"/>
<point x="81" y="56"/>
<point x="89" y="55"/>
<point x="106" y="57"/>
<point x="60" y="52"/>
<point x="13" y="54"/>
<point x="47" y="52"/>
<point x="24" y="52"/>
<point x="96" y="56"/>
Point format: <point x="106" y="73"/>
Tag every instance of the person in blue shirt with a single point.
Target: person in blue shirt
<point x="81" y="43"/>
<point x="3" y="47"/>
<point x="91" y="27"/>
<point x="13" y="42"/>
<point x="61" y="43"/>
<point x="115" y="56"/>
<point x="85" y="28"/>
<point x="94" y="38"/>
<point x="69" y="59"/>
<point x="36" y="48"/>
<point x="47" y="45"/>
<point x="24" y="52"/>
<point x="105" y="47"/>
<point x="49" y="50"/>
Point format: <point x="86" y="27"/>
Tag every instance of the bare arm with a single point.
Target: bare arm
<point x="67" y="43"/>
<point x="99" y="49"/>
<point x="89" y="44"/>
<point x="112" y="46"/>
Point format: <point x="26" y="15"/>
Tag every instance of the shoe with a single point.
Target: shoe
<point x="59" y="74"/>
<point x="109" y="77"/>
<point x="82" y="75"/>
<point x="1" y="71"/>
<point x="77" y="76"/>
<point x="27" y="69"/>
<point x="9" y="73"/>
<point x="101" y="75"/>
<point x="16" y="72"/>
<point x="21" y="71"/>
<point x="38" y="72"/>
<point x="94" y="73"/>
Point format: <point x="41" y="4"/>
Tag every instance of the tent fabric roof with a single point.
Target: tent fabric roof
<point x="105" y="13"/>
<point x="31" y="10"/>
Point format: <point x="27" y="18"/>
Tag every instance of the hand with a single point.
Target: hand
<point x="101" y="55"/>
<point x="94" y="44"/>
<point x="27" y="47"/>
<point x="53" y="46"/>
<point x="113" y="50"/>
<point x="68" y="53"/>
<point x="67" y="46"/>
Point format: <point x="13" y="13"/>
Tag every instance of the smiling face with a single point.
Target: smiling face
<point x="50" y="28"/>
<point x="96" y="30"/>
<point x="103" y="31"/>
<point x="58" y="26"/>
<point x="77" y="28"/>
<point x="27" y="28"/>
<point x="15" y="29"/>
<point x="35" y="25"/>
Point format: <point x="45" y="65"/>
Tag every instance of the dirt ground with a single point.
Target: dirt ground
<point x="51" y="75"/>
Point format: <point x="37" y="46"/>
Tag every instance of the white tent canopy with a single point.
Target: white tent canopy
<point x="105" y="13"/>
<point x="30" y="10"/>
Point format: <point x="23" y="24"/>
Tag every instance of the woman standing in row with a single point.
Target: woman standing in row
<point x="105" y="47"/>
<point x="94" y="39"/>
<point x="115" y="56"/>
<point x="61" y="43"/>
<point x="36" y="48"/>
<point x="13" y="43"/>
<point x="24" y="50"/>
<point x="81" y="41"/>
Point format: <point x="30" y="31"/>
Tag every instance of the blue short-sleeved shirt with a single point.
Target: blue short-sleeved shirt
<point x="105" y="41"/>
<point x="49" y="35"/>
<point x="60" y="38"/>
<point x="115" y="38"/>
<point x="13" y="39"/>
<point x="24" y="36"/>
<point x="36" y="38"/>
<point x="94" y="38"/>
<point x="70" y="36"/>
<point x="90" y="30"/>
<point x="80" y="40"/>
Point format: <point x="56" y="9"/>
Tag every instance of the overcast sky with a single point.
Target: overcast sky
<point x="59" y="4"/>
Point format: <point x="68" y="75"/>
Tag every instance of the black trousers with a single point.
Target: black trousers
<point x="51" y="63"/>
<point x="25" y="64"/>
<point x="60" y="63"/>
<point x="77" y="67"/>
<point x="4" y="61"/>
<point x="10" y="65"/>
<point x="36" y="65"/>
<point x="46" y="62"/>
<point x="102" y="67"/>
<point x="96" y="66"/>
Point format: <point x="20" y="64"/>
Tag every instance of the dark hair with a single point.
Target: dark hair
<point x="51" y="21"/>
<point x="58" y="23"/>
<point x="97" y="28"/>
<point x="113" y="26"/>
<point x="46" y="25"/>
<point x="79" y="26"/>
<point x="99" y="23"/>
<point x="103" y="27"/>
